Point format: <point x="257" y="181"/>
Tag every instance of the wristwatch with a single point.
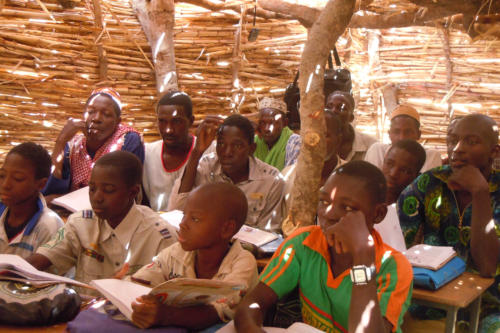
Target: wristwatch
<point x="361" y="274"/>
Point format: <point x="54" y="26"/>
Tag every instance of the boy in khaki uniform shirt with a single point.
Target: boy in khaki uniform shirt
<point x="213" y="214"/>
<point x="115" y="233"/>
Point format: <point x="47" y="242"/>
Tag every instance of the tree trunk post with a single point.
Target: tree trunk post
<point x="322" y="36"/>
<point x="157" y="21"/>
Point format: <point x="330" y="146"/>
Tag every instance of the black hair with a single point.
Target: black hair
<point x="177" y="98"/>
<point x="335" y="119"/>
<point x="230" y="199"/>
<point x="242" y="123"/>
<point x="413" y="148"/>
<point x="346" y="95"/>
<point x="415" y="121"/>
<point x="37" y="155"/>
<point x="126" y="164"/>
<point x="373" y="178"/>
<point x="116" y="107"/>
<point x="487" y="127"/>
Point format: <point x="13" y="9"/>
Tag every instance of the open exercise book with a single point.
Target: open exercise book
<point x="74" y="201"/>
<point x="15" y="268"/>
<point x="429" y="256"/>
<point x="246" y="234"/>
<point x="176" y="292"/>
<point x="294" y="328"/>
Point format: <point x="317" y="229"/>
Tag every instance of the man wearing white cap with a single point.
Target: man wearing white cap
<point x="277" y="145"/>
<point x="405" y="124"/>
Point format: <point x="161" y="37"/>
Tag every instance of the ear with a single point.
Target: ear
<point x="40" y="183"/>
<point x="191" y="120"/>
<point x="380" y="213"/>
<point x="228" y="229"/>
<point x="351" y="118"/>
<point x="419" y="134"/>
<point x="134" y="190"/>
<point x="253" y="146"/>
<point x="118" y="120"/>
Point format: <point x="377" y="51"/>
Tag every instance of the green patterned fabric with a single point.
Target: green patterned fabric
<point x="276" y="155"/>
<point x="428" y="214"/>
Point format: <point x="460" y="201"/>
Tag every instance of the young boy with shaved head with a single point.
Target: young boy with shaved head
<point x="459" y="205"/>
<point x="213" y="213"/>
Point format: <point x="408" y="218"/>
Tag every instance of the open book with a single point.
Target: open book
<point x="429" y="256"/>
<point x="74" y="201"/>
<point x="246" y="234"/>
<point x="294" y="328"/>
<point x="15" y="268"/>
<point x="176" y="292"/>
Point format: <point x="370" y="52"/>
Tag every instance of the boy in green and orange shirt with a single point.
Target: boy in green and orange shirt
<point x="348" y="279"/>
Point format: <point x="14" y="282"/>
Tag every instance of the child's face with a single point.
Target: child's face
<point x="173" y="125"/>
<point x="109" y="195"/>
<point x="233" y="150"/>
<point x="468" y="144"/>
<point x="399" y="170"/>
<point x="100" y="118"/>
<point x="17" y="180"/>
<point x="201" y="225"/>
<point x="342" y="194"/>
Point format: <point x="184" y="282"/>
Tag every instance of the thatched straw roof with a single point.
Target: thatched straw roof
<point x="48" y="66"/>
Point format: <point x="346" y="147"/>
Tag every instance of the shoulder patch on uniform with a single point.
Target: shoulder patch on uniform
<point x="161" y="227"/>
<point x="87" y="214"/>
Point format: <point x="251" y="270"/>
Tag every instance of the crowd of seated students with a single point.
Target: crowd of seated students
<point x="346" y="269"/>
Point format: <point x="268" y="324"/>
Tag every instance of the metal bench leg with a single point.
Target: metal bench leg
<point x="451" y="319"/>
<point x="475" y="309"/>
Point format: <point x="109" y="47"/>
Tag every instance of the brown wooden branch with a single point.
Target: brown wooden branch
<point x="101" y="53"/>
<point x="325" y="31"/>
<point x="218" y="6"/>
<point x="157" y="21"/>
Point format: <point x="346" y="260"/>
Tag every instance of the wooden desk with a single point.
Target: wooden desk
<point x="59" y="328"/>
<point x="464" y="291"/>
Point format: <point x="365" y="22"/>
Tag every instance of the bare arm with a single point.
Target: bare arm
<point x="484" y="240"/>
<point x="69" y="130"/>
<point x="252" y="309"/>
<point x="39" y="261"/>
<point x="364" y="311"/>
<point x="149" y="312"/>
<point x="205" y="134"/>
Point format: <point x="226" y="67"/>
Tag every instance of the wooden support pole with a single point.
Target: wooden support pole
<point x="157" y="21"/>
<point x="322" y="36"/>
<point x="237" y="89"/>
<point x="101" y="53"/>
<point x="445" y="38"/>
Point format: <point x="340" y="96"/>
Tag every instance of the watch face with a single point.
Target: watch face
<point x="359" y="275"/>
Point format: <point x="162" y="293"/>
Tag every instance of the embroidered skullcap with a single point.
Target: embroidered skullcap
<point x="272" y="103"/>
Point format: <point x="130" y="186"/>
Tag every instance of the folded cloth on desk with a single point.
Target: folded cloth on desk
<point x="429" y="279"/>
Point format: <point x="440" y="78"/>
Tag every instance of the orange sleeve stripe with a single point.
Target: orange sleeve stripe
<point x="283" y="269"/>
<point x="278" y="264"/>
<point x="400" y="292"/>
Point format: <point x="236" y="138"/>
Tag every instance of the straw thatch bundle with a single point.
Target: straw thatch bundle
<point x="49" y="64"/>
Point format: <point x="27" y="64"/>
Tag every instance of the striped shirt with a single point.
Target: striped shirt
<point x="303" y="261"/>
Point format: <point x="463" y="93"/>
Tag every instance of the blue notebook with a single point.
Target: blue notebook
<point x="429" y="279"/>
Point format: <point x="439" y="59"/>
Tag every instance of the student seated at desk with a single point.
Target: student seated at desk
<point x="233" y="163"/>
<point x="348" y="279"/>
<point x="102" y="132"/>
<point x="25" y="221"/>
<point x="458" y="205"/>
<point x="401" y="166"/>
<point x="213" y="214"/>
<point x="115" y="233"/>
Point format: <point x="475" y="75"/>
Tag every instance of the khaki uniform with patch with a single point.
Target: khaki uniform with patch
<point x="239" y="267"/>
<point x="98" y="251"/>
<point x="263" y="189"/>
